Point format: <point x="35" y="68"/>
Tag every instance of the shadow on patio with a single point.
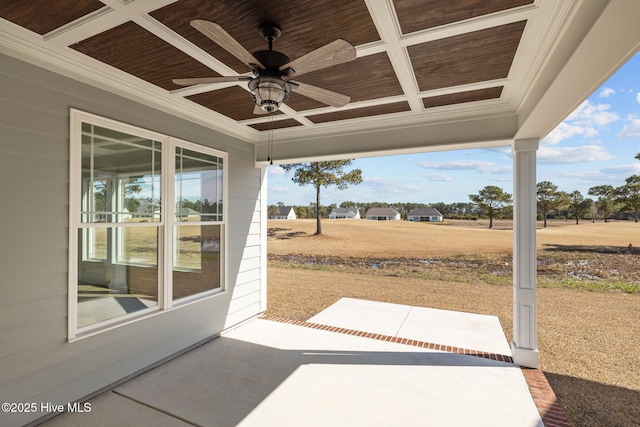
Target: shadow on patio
<point x="272" y="373"/>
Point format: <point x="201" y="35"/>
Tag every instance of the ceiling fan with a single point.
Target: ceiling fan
<point x="271" y="83"/>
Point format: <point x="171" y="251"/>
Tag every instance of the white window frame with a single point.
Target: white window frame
<point x="166" y="225"/>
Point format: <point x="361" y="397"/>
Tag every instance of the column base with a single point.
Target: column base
<point x="525" y="357"/>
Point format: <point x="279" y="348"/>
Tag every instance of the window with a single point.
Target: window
<point x="147" y="215"/>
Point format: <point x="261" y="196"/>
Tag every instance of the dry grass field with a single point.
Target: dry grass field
<point x="588" y="298"/>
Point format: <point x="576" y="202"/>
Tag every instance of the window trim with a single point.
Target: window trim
<point x="165" y="226"/>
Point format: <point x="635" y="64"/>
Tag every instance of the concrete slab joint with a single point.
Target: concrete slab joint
<point x="524" y="345"/>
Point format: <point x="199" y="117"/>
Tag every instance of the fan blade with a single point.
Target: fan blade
<point x="334" y="53"/>
<point x="204" y="80"/>
<point x="216" y="33"/>
<point x="258" y="110"/>
<point x="323" y="95"/>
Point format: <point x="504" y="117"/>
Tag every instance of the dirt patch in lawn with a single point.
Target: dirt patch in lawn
<point x="588" y="299"/>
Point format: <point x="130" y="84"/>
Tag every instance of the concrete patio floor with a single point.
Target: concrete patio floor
<point x="271" y="373"/>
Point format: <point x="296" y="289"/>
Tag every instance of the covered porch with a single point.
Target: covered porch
<point x="426" y="76"/>
<point x="357" y="362"/>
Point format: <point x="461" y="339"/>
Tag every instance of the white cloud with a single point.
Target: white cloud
<point x="626" y="170"/>
<point x="503" y="149"/>
<point x="504" y="179"/>
<point x="501" y="170"/>
<point x="638" y="97"/>
<point x="377" y="181"/>
<point x="590" y="132"/>
<point x="584" y="121"/>
<point x="457" y="165"/>
<point x="630" y="130"/>
<point x="438" y="177"/>
<point x="279" y="190"/>
<point x="588" y="114"/>
<point x="582" y="174"/>
<point x="565" y="131"/>
<point x="564" y="155"/>
<point x="471" y="165"/>
<point x="606" y="92"/>
<point x="273" y="170"/>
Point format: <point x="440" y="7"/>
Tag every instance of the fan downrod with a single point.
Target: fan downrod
<point x="271" y="59"/>
<point x="270" y="32"/>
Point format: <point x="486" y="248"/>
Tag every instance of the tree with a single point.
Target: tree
<point x="324" y="174"/>
<point x="549" y="198"/>
<point x="605" y="202"/>
<point x="578" y="205"/>
<point x="273" y="211"/>
<point x="638" y="156"/>
<point x="348" y="204"/>
<point x="490" y="199"/>
<point x="301" y="212"/>
<point x="629" y="195"/>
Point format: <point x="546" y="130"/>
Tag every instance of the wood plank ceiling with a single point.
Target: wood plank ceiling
<point x="432" y="62"/>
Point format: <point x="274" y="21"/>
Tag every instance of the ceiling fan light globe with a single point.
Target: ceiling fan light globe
<point x="269" y="92"/>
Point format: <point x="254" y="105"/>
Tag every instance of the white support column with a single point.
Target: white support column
<point x="524" y="347"/>
<point x="264" y="215"/>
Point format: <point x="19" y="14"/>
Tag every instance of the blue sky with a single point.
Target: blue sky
<point x="594" y="145"/>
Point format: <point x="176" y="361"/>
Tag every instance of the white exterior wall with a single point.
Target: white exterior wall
<point x="388" y="217"/>
<point x="38" y="362"/>
<point x="418" y="218"/>
<point x="346" y="215"/>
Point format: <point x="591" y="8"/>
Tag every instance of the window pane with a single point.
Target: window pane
<point x="137" y="245"/>
<point x="106" y="289"/>
<point x="120" y="176"/>
<point x="198" y="186"/>
<point x="196" y="266"/>
<point x="96" y="244"/>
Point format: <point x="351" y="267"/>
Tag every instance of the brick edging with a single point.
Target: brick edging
<point x="399" y="340"/>
<point x="551" y="410"/>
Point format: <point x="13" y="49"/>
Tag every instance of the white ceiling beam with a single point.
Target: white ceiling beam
<point x="471" y="25"/>
<point x="383" y="15"/>
<point x="472" y="133"/>
<point x="117" y="13"/>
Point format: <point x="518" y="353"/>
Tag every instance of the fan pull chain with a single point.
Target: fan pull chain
<point x="270" y="140"/>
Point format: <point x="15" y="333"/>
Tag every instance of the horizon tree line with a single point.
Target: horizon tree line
<point x="490" y="202"/>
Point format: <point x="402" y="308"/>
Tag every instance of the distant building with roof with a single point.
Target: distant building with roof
<point x="425" y="215"/>
<point x="286" y="212"/>
<point x="344" y="213"/>
<point x="383" y="214"/>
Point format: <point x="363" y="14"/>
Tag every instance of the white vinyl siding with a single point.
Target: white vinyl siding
<point x="39" y="363"/>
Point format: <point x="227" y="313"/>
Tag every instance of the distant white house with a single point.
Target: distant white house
<point x="187" y="214"/>
<point x="383" y="214"/>
<point x="424" y="215"/>
<point x="348" y="213"/>
<point x="286" y="212"/>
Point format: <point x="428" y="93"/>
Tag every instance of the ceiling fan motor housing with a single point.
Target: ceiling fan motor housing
<point x="268" y="88"/>
<point x="272" y="60"/>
